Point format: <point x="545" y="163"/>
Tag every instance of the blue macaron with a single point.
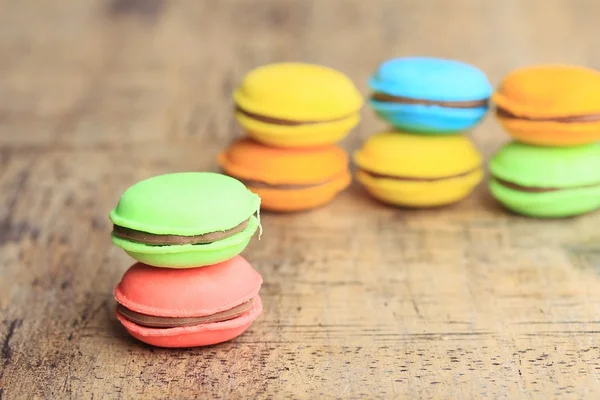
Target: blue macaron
<point x="430" y="95"/>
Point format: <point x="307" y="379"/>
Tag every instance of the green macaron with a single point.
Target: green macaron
<point x="547" y="182"/>
<point x="185" y="220"/>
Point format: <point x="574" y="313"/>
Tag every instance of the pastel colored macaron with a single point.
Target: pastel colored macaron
<point x="292" y="179"/>
<point x="547" y="182"/>
<point x="429" y="95"/>
<point x="187" y="308"/>
<point x="183" y="220"/>
<point x="418" y="171"/>
<point x="297" y="105"/>
<point x="550" y="105"/>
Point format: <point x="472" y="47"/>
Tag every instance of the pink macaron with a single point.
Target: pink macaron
<point x="167" y="307"/>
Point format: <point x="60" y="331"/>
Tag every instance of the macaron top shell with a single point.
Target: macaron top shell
<point x="247" y="159"/>
<point x="547" y="167"/>
<point x="546" y="91"/>
<point x="429" y="78"/>
<point x="192" y="292"/>
<point x="298" y="92"/>
<point x="187" y="203"/>
<point x="408" y="155"/>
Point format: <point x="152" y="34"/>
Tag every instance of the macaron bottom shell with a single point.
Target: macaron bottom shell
<point x="194" y="336"/>
<point x="305" y="135"/>
<point x="189" y="255"/>
<point x="290" y="200"/>
<point x="420" y="194"/>
<point x="428" y="119"/>
<point x="554" y="204"/>
<point x="549" y="133"/>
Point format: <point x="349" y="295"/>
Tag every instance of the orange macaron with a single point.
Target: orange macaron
<point x="550" y="105"/>
<point x="288" y="179"/>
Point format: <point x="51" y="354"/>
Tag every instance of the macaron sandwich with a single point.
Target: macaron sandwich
<point x="290" y="179"/>
<point x="185" y="219"/>
<point x="297" y="105"/>
<point x="418" y="171"/>
<point x="429" y="95"/>
<point x="190" y="287"/>
<point x="193" y="307"/>
<point x="547" y="182"/>
<point x="550" y="105"/>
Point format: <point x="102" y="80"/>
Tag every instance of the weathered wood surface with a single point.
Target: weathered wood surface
<point x="465" y="301"/>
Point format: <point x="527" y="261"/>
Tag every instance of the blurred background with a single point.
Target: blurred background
<point x="129" y="72"/>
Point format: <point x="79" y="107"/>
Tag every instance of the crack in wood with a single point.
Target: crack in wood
<point x="148" y="9"/>
<point x="7" y="350"/>
<point x="9" y="229"/>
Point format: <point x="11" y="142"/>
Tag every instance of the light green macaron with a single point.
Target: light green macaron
<point x="185" y="220"/>
<point x="547" y="182"/>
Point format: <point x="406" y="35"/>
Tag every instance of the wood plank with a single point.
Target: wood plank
<point x="361" y="300"/>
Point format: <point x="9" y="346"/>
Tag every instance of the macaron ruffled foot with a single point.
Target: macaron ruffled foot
<point x="288" y="179"/>
<point x="429" y="95"/>
<point x="547" y="182"/>
<point x="418" y="171"/>
<point x="297" y="105"/>
<point x="550" y="105"/>
<point x="184" y="220"/>
<point x="187" y="308"/>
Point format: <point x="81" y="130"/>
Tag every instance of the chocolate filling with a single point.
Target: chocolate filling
<point x="152" y="321"/>
<point x="502" y="113"/>
<point x="529" y="189"/>
<point x="277" y="121"/>
<point x="281" y="186"/>
<point x="153" y="239"/>
<point x="449" y="104"/>
<point x="411" y="178"/>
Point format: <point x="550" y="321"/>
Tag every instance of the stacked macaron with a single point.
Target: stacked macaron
<point x="424" y="159"/>
<point x="552" y="167"/>
<point x="189" y="286"/>
<point x="293" y="114"/>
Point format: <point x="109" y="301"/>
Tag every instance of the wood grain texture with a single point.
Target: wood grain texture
<point x="361" y="300"/>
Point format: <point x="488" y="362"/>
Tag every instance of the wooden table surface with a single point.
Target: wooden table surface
<point x="361" y="300"/>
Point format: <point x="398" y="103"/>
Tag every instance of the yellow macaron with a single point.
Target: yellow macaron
<point x="418" y="171"/>
<point x="297" y="105"/>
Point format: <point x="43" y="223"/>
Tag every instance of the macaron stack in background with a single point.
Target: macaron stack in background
<point x="552" y="167"/>
<point x="189" y="286"/>
<point x="430" y="104"/>
<point x="293" y="115"/>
